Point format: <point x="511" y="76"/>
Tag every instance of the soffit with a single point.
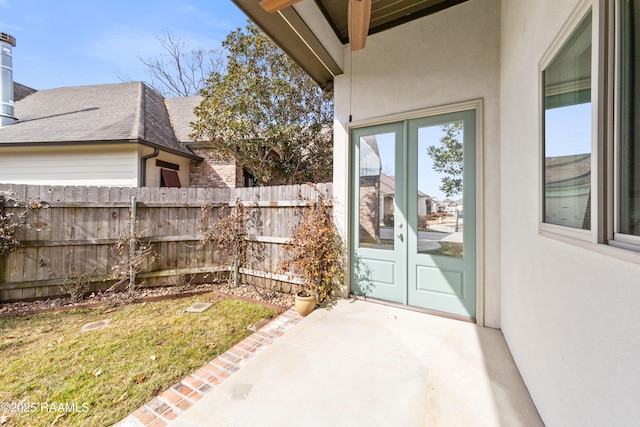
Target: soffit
<point x="385" y="14"/>
<point x="294" y="36"/>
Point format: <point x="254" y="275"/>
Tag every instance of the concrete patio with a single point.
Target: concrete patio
<point x="366" y="364"/>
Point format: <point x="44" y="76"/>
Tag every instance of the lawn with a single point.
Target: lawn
<point x="103" y="375"/>
<point x="451" y="249"/>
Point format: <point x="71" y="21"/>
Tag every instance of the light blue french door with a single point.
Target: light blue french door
<point x="414" y="212"/>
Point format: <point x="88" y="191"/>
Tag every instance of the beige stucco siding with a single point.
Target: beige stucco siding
<point x="446" y="58"/>
<point x="103" y="165"/>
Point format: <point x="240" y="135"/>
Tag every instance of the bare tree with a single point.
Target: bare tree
<point x="179" y="71"/>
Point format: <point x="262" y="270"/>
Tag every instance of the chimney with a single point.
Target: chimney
<point x="7" y="43"/>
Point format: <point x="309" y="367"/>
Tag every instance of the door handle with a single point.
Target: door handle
<point x="401" y="236"/>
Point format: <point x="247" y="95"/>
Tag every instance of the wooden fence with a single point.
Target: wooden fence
<point x="74" y="237"/>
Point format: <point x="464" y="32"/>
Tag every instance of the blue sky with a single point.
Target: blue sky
<point x="429" y="181"/>
<point x="71" y="43"/>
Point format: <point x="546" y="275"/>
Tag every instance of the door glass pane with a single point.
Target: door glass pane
<point x="629" y="157"/>
<point x="567" y="133"/>
<point x="440" y="209"/>
<point x="377" y="190"/>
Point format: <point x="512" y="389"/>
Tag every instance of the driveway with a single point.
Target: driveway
<point x="366" y="364"/>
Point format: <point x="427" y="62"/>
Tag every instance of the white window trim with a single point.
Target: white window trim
<point x="568" y="28"/>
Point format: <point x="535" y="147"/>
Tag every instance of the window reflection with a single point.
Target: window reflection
<point x="377" y="191"/>
<point x="440" y="208"/>
<point x="629" y="158"/>
<point x="567" y="136"/>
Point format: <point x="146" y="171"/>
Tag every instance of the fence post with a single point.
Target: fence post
<point x="132" y="244"/>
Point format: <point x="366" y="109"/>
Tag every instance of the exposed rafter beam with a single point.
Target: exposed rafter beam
<point x="275" y="5"/>
<point x="359" y="18"/>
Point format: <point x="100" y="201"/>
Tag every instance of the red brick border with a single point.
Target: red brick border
<point x="172" y="402"/>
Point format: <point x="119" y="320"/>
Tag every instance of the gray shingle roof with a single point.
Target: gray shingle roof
<point x="181" y="115"/>
<point x="100" y="113"/>
<point x="21" y="91"/>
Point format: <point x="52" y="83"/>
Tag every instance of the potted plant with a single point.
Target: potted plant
<point x="316" y="257"/>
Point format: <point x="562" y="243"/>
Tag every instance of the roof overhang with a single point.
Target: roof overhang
<point x="40" y="144"/>
<point x="314" y="32"/>
<point x="318" y="51"/>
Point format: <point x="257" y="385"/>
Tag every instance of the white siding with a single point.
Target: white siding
<point x="104" y="165"/>
<point x="569" y="313"/>
<point x="446" y="58"/>
<point x="153" y="171"/>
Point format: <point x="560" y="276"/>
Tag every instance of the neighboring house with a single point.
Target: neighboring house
<point x="209" y="172"/>
<point x="558" y="277"/>
<point x="109" y="135"/>
<point x="387" y="193"/>
<point x="123" y="134"/>
<point x="568" y="190"/>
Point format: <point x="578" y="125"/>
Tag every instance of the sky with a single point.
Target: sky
<point x="83" y="42"/>
<point x="429" y="181"/>
<point x="568" y="130"/>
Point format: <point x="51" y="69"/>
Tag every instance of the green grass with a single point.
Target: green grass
<point x="451" y="249"/>
<point x="147" y="348"/>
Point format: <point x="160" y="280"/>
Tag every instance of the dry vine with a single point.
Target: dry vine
<point x="13" y="222"/>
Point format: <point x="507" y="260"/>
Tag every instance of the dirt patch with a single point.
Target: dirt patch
<point x="244" y="291"/>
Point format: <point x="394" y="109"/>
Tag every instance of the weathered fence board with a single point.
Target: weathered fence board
<point x="74" y="237"/>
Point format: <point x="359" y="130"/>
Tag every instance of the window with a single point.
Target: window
<point x="628" y="156"/>
<point x="593" y="193"/>
<point x="567" y="132"/>
<point x="169" y="178"/>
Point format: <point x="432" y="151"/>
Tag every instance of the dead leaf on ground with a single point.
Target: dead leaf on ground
<point x="96" y="372"/>
<point x="122" y="397"/>
<point x="141" y="379"/>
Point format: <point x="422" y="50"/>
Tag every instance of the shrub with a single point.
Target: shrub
<point x="316" y="252"/>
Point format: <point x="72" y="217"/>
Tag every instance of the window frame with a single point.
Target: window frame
<point x="597" y="143"/>
<point x="604" y="235"/>
<point x="616" y="238"/>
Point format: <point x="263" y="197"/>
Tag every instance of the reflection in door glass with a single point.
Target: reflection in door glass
<point x="440" y="209"/>
<point x="377" y="191"/>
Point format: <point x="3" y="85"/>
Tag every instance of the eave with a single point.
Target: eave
<point x="294" y="36"/>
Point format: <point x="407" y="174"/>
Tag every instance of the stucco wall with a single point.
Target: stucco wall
<point x="569" y="313"/>
<point x="446" y="58"/>
<point x="104" y="165"/>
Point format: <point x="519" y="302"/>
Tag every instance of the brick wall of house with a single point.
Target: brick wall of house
<point x="212" y="173"/>
<point x="369" y="210"/>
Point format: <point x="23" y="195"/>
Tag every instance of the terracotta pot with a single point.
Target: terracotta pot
<point x="305" y="304"/>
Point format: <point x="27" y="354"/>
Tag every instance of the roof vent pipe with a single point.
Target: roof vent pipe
<point x="7" y="43"/>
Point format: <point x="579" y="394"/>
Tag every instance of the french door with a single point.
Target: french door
<point x="414" y="212"/>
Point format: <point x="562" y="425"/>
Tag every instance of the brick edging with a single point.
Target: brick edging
<point x="181" y="396"/>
